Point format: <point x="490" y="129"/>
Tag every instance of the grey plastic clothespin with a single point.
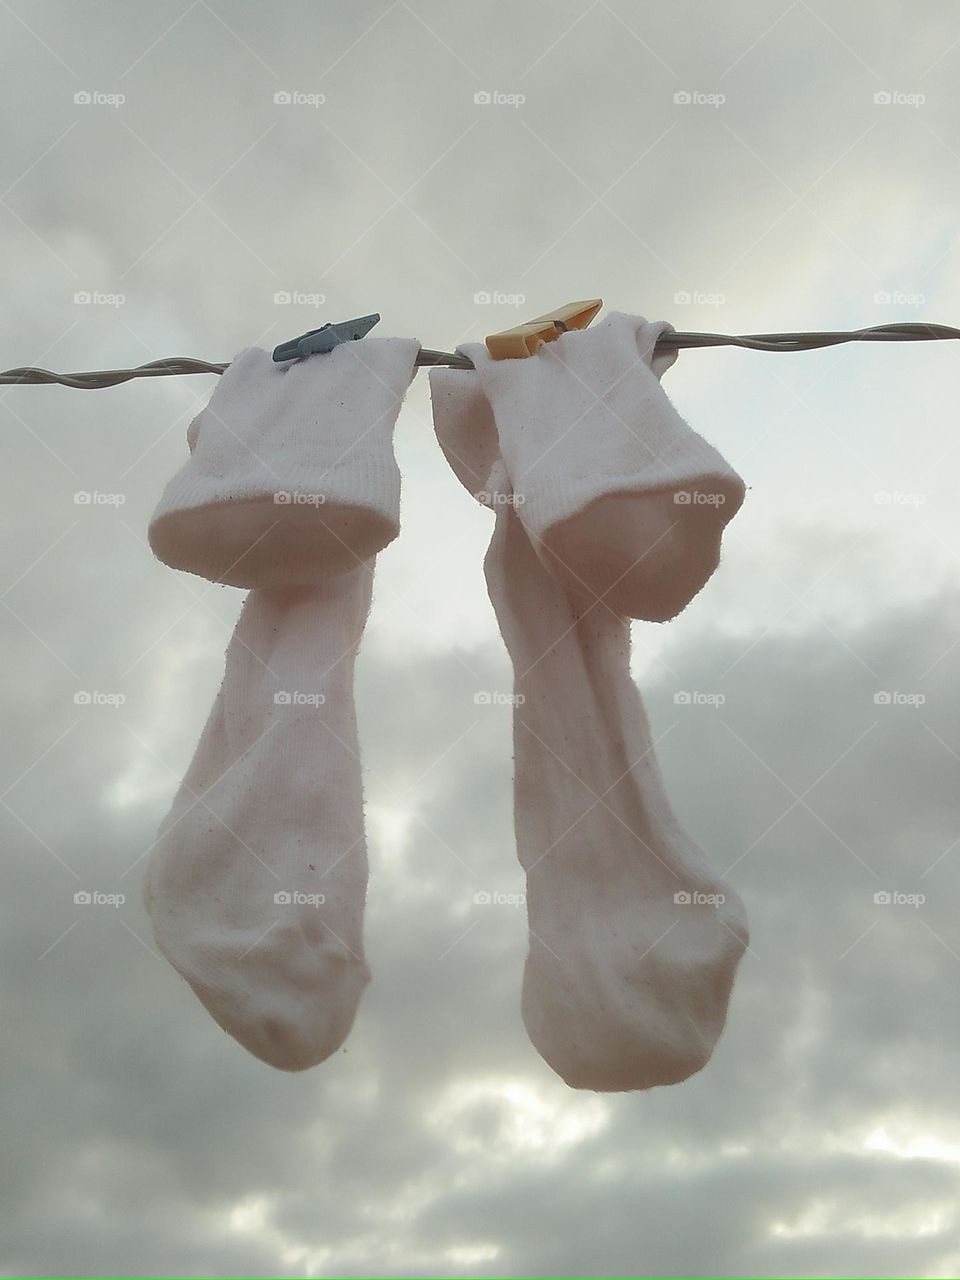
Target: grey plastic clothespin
<point x="323" y="340"/>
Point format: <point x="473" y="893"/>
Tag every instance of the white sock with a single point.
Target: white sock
<point x="257" y="884"/>
<point x="291" y="476"/>
<point x="620" y="497"/>
<point x="625" y="986"/>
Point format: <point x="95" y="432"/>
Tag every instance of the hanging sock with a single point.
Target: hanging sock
<point x="291" y="477"/>
<point x="621" y="499"/>
<point x="256" y="886"/>
<point x="634" y="942"/>
<point x="257" y="883"/>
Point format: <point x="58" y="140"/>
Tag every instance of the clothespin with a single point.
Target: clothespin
<point x="323" y="340"/>
<point x="527" y="339"/>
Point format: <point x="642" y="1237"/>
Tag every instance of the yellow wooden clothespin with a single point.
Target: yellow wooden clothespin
<point x="527" y="339"/>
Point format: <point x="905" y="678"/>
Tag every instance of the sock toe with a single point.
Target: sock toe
<point x="292" y="1005"/>
<point x="628" y="1009"/>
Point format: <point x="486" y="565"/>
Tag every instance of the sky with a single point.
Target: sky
<point x="195" y="178"/>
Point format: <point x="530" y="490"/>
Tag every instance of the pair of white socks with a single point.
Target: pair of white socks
<point x="608" y="506"/>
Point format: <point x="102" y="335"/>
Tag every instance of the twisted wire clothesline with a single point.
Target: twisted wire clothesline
<point x="674" y="341"/>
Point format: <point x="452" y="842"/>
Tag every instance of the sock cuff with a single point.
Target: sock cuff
<point x="291" y="458"/>
<point x="586" y="417"/>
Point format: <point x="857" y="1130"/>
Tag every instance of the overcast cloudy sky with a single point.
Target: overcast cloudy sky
<point x="148" y="166"/>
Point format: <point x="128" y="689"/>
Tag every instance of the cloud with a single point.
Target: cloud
<point x="144" y="1138"/>
<point x="822" y="1138"/>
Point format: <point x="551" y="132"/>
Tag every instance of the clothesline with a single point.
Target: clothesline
<point x="810" y="341"/>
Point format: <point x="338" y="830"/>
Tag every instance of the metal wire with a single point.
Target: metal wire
<point x="176" y="365"/>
